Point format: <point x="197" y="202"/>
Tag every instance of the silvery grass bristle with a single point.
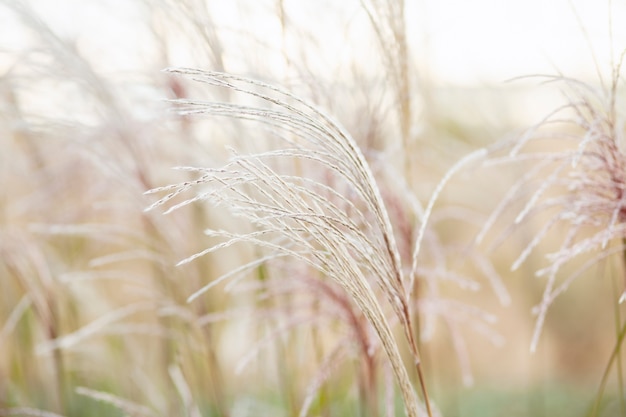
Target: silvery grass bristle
<point x="580" y="186"/>
<point x="293" y="219"/>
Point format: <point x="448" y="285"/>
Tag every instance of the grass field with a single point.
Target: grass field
<point x="289" y="208"/>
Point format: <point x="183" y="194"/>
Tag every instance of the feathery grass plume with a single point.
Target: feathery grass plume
<point x="388" y="20"/>
<point x="345" y="235"/>
<point x="320" y="304"/>
<point x="28" y="275"/>
<point x="442" y="263"/>
<point x="79" y="152"/>
<point x="338" y="329"/>
<point x="577" y="181"/>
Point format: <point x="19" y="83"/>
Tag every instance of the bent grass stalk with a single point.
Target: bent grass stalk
<point x="293" y="219"/>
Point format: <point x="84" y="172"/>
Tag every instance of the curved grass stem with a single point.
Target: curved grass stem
<point x="605" y="376"/>
<point x="620" y="330"/>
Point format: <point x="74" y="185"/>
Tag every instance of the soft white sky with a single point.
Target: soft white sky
<point x="455" y="41"/>
<point x="490" y="40"/>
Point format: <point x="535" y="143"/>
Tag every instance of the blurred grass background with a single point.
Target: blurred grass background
<point x="91" y="298"/>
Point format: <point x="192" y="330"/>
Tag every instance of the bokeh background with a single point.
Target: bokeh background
<point x="93" y="312"/>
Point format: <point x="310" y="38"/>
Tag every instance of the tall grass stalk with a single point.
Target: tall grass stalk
<point x="618" y="324"/>
<point x="577" y="183"/>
